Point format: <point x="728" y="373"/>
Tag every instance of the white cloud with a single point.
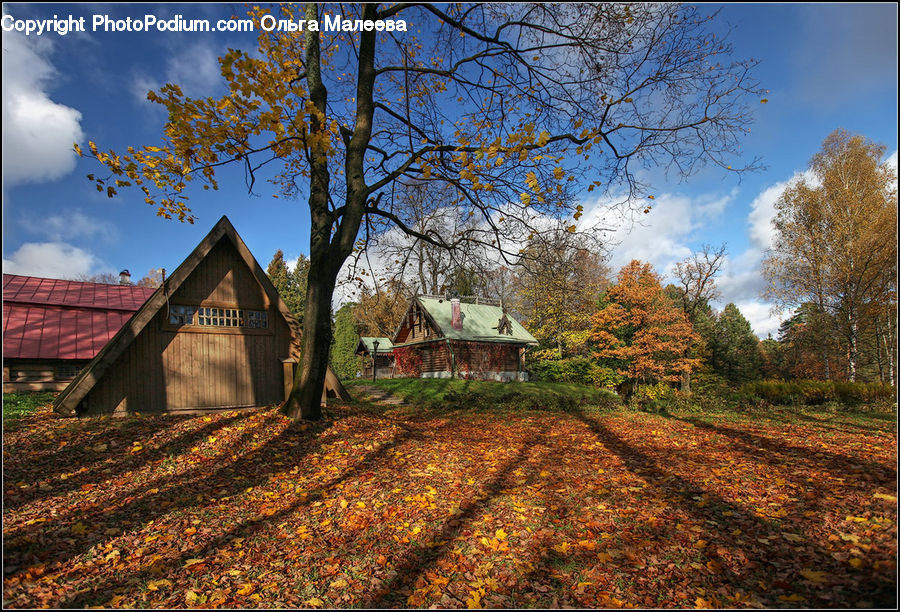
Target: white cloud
<point x="762" y="213"/>
<point x="759" y="315"/>
<point x="65" y="227"/>
<point x="762" y="210"/>
<point x="659" y="237"/>
<point x="52" y="260"/>
<point x="38" y="133"/>
<point x="741" y="281"/>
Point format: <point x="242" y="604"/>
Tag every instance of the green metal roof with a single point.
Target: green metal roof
<point x="479" y="322"/>
<point x="384" y="344"/>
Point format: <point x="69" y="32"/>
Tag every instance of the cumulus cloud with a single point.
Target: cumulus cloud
<point x="760" y="316"/>
<point x="741" y="281"/>
<point x="661" y="236"/>
<point x="762" y="210"/>
<point x="37" y="132"/>
<point x="52" y="260"/>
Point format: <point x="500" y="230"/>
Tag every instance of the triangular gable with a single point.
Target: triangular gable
<point x="76" y="391"/>
<point x="412" y="304"/>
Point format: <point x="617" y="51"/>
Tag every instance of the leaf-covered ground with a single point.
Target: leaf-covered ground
<point x="388" y="507"/>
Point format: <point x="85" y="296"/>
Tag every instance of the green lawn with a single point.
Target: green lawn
<point x="457" y="393"/>
<point x="18" y="405"/>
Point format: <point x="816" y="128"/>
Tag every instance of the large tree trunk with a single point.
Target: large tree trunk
<point x="327" y="251"/>
<point x="309" y="381"/>
<point x="305" y="400"/>
<point x="686" y="382"/>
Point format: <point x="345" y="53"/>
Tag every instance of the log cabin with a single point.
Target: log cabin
<point x="215" y="335"/>
<point x="442" y="337"/>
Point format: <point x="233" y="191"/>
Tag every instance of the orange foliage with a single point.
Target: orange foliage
<point x="642" y="329"/>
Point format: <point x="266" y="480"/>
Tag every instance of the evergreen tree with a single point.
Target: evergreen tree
<point x="298" y="279"/>
<point x="291" y="285"/>
<point x="344" y="361"/>
<point x="735" y="349"/>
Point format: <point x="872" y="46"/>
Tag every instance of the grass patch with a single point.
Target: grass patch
<point x="462" y="394"/>
<point x="18" y="405"/>
<point x="875" y="417"/>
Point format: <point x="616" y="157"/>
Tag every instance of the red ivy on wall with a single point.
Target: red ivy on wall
<point x="408" y="361"/>
<point x="473" y="359"/>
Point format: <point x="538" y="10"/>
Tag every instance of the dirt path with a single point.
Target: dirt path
<point x="376" y="394"/>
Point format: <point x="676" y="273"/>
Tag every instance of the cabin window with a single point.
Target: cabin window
<point x="232" y="317"/>
<point x="181" y="315"/>
<point x="214" y="316"/>
<point x="257" y="319"/>
<point x="66" y="371"/>
<point x="29" y="374"/>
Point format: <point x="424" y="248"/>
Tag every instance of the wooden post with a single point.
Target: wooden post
<point x="288" y="368"/>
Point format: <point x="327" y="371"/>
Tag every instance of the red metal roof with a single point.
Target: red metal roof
<point x="46" y="318"/>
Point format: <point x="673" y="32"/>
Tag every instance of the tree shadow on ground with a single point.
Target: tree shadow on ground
<point x="782" y="453"/>
<point x="213" y="492"/>
<point x="84" y="467"/>
<point x="730" y="527"/>
<point x="843" y="426"/>
<point x="56" y="539"/>
<point x="245" y="529"/>
<point x="418" y="562"/>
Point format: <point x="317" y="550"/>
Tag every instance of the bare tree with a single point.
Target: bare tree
<point x="696" y="276"/>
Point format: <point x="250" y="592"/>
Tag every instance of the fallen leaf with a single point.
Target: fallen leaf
<point x="813" y="576"/>
<point x="793" y="597"/>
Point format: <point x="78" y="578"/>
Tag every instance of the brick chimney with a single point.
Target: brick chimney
<point x="455" y="315"/>
<point x="124" y="277"/>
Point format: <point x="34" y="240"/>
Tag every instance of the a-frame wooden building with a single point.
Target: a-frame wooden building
<point x="215" y="335"/>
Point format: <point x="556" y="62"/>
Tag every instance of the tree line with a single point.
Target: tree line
<point x="833" y="265"/>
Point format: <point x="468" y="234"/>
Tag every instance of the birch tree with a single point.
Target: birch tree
<point x="836" y="238"/>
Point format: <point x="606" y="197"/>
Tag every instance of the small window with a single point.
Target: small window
<point x="257" y="319"/>
<point x="181" y="315"/>
<point x="66" y="371"/>
<point x="208" y="316"/>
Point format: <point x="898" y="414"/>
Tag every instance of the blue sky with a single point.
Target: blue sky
<point x="825" y="66"/>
